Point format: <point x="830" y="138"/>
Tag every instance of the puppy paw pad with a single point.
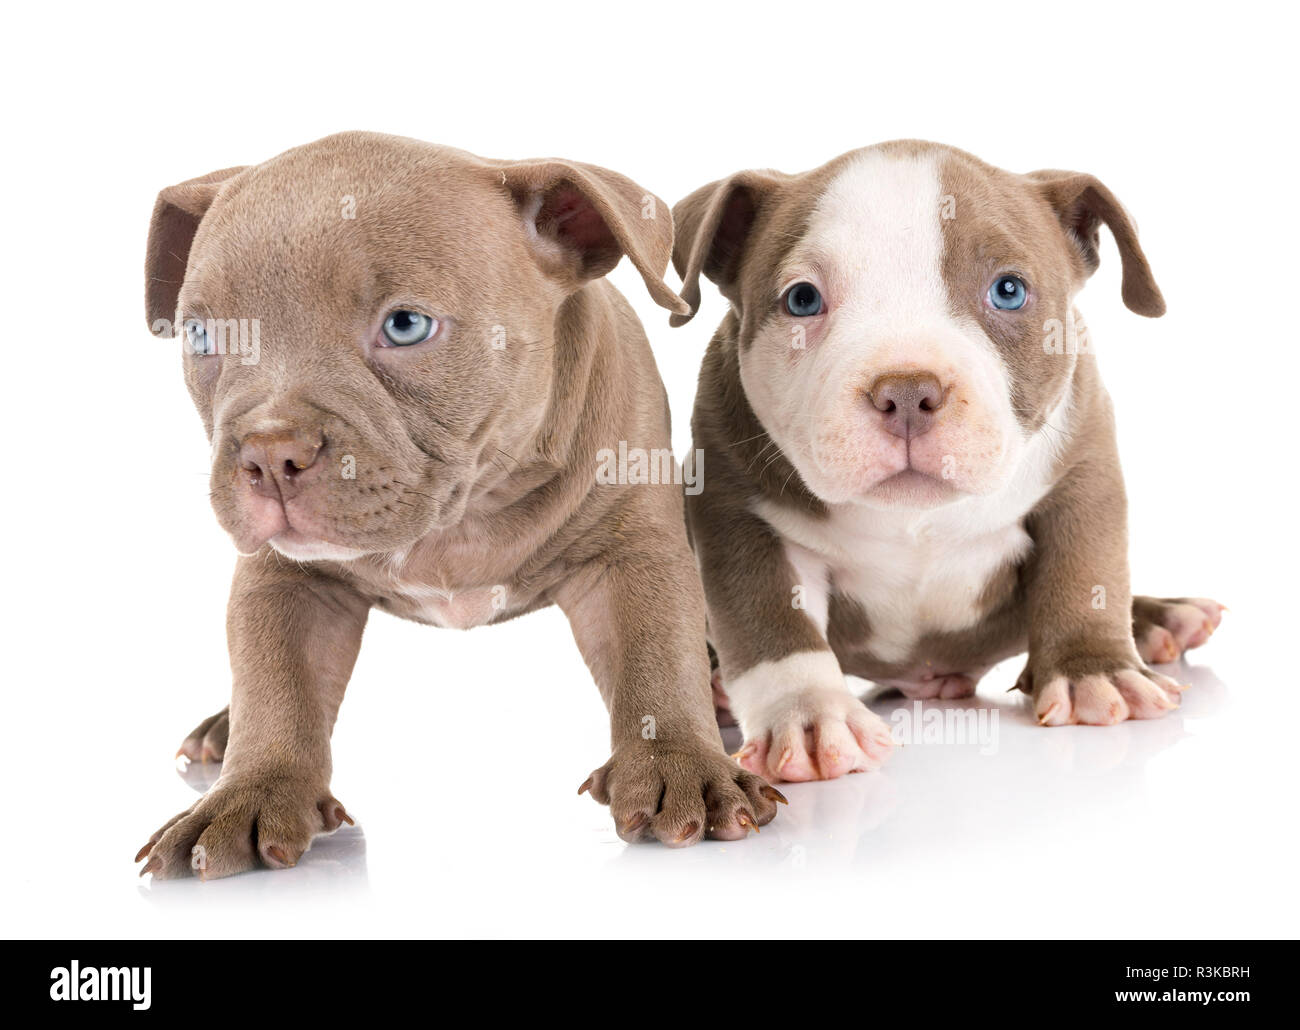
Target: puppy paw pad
<point x="1105" y="699"/>
<point x="815" y="735"/>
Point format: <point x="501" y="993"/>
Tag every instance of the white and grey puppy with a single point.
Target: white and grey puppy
<point x="912" y="462"/>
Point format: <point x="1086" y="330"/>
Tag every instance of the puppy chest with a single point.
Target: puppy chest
<point x="459" y="609"/>
<point x="465" y="610"/>
<point x="929" y="582"/>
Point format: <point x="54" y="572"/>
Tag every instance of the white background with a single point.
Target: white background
<point x="460" y="752"/>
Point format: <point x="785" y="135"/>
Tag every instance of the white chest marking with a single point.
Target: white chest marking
<point x="461" y="609"/>
<point x="919" y="572"/>
<point x="913" y="575"/>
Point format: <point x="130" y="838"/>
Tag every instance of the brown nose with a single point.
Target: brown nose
<point x="276" y="463"/>
<point x="907" y="400"/>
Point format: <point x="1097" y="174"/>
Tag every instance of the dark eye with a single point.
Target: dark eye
<point x="406" y="328"/>
<point x="1008" y="293"/>
<point x="802" y="300"/>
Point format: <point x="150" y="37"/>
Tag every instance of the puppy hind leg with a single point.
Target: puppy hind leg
<point x="721" y="703"/>
<point x="1166" y="627"/>
<point x="207" y="741"/>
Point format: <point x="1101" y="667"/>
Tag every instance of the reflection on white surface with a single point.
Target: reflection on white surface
<point x="936" y="798"/>
<point x="335" y="864"/>
<point x="199" y="775"/>
<point x="473" y="828"/>
<point x="931" y="799"/>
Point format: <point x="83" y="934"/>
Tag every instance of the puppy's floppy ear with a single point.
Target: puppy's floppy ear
<point x="582" y="219"/>
<point x="713" y="226"/>
<point x="176" y="216"/>
<point x="1082" y="203"/>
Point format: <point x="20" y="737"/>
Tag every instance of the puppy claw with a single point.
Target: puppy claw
<point x="633" y="824"/>
<point x="276" y="854"/>
<point x="586" y="784"/>
<point x="745" y="752"/>
<point x="772" y="794"/>
<point x="152" y="866"/>
<point x="143" y="851"/>
<point x="679" y="796"/>
<point x="333" y="814"/>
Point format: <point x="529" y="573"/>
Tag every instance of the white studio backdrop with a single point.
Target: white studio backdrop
<point x="460" y="752"/>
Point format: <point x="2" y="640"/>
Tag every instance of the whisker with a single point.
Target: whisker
<point x="760" y="454"/>
<point x="746" y="440"/>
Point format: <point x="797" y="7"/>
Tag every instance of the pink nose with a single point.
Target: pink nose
<point x="277" y="463"/>
<point x="907" y="401"/>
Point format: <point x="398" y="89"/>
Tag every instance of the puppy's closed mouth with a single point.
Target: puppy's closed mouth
<point x="269" y="522"/>
<point x="290" y="529"/>
<point x="320" y="496"/>
<point x="912" y="488"/>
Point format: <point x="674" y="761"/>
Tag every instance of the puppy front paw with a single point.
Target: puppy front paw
<point x="818" y="733"/>
<point x="1099" y="693"/>
<point x="241" y="823"/>
<point x="680" y="796"/>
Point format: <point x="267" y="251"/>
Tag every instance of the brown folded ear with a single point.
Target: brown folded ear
<point x="1082" y="203"/>
<point x="176" y="216"/>
<point x="713" y="226"/>
<point x="582" y="219"/>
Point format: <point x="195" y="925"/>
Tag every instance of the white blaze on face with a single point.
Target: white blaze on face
<point x="874" y="248"/>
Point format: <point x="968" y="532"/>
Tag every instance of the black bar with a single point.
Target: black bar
<point x="196" y="979"/>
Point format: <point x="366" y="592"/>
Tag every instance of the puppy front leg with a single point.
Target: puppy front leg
<point x="639" y="623"/>
<point x="767" y="620"/>
<point x="293" y="638"/>
<point x="1083" y="664"/>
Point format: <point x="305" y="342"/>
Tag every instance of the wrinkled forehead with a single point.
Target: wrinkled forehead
<point x="372" y="224"/>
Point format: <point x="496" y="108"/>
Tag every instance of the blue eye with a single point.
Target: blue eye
<point x="802" y="300"/>
<point x="407" y="328"/>
<point x="197" y="340"/>
<point x="1008" y="293"/>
